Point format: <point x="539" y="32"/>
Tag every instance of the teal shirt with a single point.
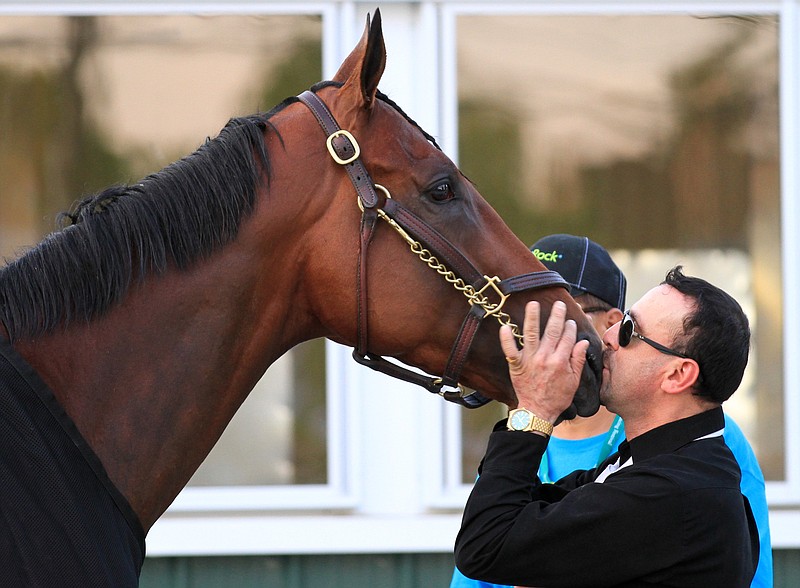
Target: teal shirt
<point x="563" y="456"/>
<point x="753" y="487"/>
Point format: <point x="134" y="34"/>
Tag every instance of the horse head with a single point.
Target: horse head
<point x="451" y="256"/>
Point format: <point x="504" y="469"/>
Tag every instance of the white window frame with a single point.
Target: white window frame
<point x="393" y="450"/>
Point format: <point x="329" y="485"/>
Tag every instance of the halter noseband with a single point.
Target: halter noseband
<point x="433" y="249"/>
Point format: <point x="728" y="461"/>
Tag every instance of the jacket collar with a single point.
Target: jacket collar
<point x="672" y="436"/>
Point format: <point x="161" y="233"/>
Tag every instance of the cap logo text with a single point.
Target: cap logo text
<point x="553" y="256"/>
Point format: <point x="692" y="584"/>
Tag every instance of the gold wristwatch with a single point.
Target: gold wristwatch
<point x="521" y="419"/>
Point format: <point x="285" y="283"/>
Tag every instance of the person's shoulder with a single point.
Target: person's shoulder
<point x="697" y="465"/>
<point x="739" y="446"/>
<point x="731" y="425"/>
<point x="735" y="438"/>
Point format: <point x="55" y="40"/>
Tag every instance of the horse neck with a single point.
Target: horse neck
<point x="152" y="385"/>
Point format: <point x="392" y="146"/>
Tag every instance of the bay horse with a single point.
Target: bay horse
<point x="129" y="338"/>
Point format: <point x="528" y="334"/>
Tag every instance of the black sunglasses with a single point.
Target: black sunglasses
<point x="627" y="330"/>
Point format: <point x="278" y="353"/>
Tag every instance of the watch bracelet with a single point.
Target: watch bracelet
<point x="537" y="423"/>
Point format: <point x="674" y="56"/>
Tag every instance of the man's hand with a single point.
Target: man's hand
<point x="546" y="372"/>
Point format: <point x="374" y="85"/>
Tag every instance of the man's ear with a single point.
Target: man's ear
<point x="613" y="316"/>
<point x="683" y="376"/>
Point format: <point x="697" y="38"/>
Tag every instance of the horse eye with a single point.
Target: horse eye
<point x="442" y="193"/>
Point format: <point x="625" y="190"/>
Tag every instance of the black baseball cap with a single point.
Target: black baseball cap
<point x="586" y="266"/>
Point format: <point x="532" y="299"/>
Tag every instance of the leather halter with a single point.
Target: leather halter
<point x="345" y="151"/>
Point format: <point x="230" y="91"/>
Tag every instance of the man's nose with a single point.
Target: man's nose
<point x="611" y="336"/>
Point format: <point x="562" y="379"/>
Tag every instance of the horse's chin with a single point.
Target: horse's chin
<point x="584" y="404"/>
<point x="587" y="399"/>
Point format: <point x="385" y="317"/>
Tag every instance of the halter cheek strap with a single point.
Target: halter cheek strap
<point x="433" y="248"/>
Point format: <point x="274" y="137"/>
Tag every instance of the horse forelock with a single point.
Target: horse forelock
<point x="119" y="236"/>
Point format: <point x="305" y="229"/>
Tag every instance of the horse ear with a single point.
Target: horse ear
<point x="364" y="66"/>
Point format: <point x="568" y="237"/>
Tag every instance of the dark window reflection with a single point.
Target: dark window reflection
<point x="656" y="136"/>
<point x="87" y="102"/>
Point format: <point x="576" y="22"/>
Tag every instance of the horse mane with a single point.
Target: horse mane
<point x="119" y="236"/>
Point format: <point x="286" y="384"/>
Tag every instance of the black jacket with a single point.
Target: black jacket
<point x="675" y="516"/>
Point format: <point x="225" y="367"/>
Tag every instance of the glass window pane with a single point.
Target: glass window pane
<point x="87" y="102"/>
<point x="656" y="136"/>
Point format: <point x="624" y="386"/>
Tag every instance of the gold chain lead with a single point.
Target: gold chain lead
<point x="473" y="296"/>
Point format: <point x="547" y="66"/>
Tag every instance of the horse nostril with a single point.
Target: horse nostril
<point x="594" y="364"/>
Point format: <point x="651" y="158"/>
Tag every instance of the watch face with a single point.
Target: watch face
<point x="520" y="420"/>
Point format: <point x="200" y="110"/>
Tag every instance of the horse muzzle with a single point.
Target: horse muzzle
<point x="586" y="401"/>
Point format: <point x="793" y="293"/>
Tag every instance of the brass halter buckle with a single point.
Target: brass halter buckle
<point x="482" y="300"/>
<point x="349" y="137"/>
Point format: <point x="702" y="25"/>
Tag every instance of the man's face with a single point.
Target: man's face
<point x="598" y="319"/>
<point x="633" y="374"/>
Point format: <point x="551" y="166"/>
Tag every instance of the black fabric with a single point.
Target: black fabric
<point x="675" y="517"/>
<point x="62" y="521"/>
<point x="585" y="265"/>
